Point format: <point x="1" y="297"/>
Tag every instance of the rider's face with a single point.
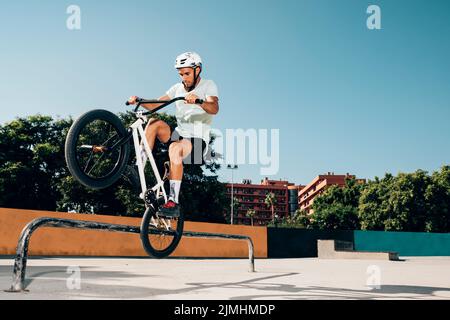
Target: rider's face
<point x="187" y="76"/>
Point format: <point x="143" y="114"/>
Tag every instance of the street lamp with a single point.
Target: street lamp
<point x="232" y="200"/>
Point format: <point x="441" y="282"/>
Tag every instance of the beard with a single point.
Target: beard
<point x="186" y="87"/>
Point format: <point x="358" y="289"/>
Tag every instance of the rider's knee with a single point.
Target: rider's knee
<point x="158" y="126"/>
<point x="153" y="122"/>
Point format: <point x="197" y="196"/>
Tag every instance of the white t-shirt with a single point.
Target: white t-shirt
<point x="192" y="120"/>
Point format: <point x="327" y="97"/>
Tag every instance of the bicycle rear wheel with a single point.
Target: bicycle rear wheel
<point x="93" y="155"/>
<point x="166" y="236"/>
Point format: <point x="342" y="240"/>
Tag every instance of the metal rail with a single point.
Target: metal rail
<point x="20" y="263"/>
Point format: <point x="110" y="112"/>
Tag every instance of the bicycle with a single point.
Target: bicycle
<point x="97" y="151"/>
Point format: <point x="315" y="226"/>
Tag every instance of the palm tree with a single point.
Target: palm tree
<point x="271" y="201"/>
<point x="251" y="213"/>
<point x="236" y="204"/>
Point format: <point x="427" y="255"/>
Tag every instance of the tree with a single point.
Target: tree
<point x="372" y="210"/>
<point x="300" y="220"/>
<point x="337" y="207"/>
<point x="413" y="202"/>
<point x="271" y="201"/>
<point x="437" y="194"/>
<point x="251" y="213"/>
<point x="406" y="202"/>
<point x="235" y="203"/>
<point x="32" y="162"/>
<point x="336" y="217"/>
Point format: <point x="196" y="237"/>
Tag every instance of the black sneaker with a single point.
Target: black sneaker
<point x="131" y="175"/>
<point x="170" y="210"/>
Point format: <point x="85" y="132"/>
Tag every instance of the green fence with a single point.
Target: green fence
<point x="405" y="243"/>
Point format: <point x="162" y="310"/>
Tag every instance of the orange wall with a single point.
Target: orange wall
<point x="75" y="242"/>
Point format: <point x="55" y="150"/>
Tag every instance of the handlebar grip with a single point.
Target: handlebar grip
<point x="138" y="100"/>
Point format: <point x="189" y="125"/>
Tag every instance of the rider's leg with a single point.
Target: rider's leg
<point x="177" y="152"/>
<point x="157" y="129"/>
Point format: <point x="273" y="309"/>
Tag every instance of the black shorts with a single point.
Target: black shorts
<point x="198" y="148"/>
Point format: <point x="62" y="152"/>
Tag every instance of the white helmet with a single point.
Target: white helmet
<point x="188" y="60"/>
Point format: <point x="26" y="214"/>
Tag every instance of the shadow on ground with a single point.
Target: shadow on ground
<point x="52" y="282"/>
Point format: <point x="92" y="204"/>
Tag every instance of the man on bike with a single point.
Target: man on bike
<point x="191" y="137"/>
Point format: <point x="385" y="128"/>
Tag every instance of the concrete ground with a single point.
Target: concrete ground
<point x="195" y="279"/>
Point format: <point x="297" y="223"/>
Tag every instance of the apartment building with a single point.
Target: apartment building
<point x="252" y="196"/>
<point x="318" y="185"/>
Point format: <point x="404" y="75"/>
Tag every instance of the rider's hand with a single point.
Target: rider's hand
<point x="190" y="98"/>
<point x="132" y="100"/>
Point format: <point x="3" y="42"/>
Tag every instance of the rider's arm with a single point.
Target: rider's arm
<point x="211" y="105"/>
<point x="151" y="106"/>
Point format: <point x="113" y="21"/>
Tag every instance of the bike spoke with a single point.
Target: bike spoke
<point x="96" y="163"/>
<point x="162" y="241"/>
<point x="89" y="161"/>
<point x="105" y="144"/>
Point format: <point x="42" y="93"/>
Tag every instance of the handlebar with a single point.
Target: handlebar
<point x="164" y="103"/>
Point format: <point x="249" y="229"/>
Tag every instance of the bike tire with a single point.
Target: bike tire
<point x="71" y="152"/>
<point x="148" y="247"/>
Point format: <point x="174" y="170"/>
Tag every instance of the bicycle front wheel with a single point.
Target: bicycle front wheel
<point x="160" y="236"/>
<point x="94" y="153"/>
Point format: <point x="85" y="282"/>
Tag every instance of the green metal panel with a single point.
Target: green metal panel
<point x="405" y="243"/>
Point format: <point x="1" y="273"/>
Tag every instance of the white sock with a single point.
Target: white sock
<point x="174" y="190"/>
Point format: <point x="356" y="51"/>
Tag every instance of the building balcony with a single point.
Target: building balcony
<point x="281" y="204"/>
<point x="316" y="187"/>
<point x="309" y="195"/>
<point x="257" y="193"/>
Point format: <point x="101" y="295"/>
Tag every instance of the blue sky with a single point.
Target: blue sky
<point x="345" y="98"/>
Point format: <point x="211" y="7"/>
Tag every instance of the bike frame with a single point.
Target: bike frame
<point x="140" y="140"/>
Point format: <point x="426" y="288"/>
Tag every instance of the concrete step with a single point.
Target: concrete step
<point x="331" y="249"/>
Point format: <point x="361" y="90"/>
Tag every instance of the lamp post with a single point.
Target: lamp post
<point x="232" y="200"/>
